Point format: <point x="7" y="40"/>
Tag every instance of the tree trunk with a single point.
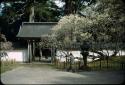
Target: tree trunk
<point x="70" y="6"/>
<point x="31" y="19"/>
<point x="85" y="61"/>
<point x="31" y="16"/>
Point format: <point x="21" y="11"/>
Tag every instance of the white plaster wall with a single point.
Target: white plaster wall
<point x="61" y="55"/>
<point x="17" y="55"/>
<point x="22" y="55"/>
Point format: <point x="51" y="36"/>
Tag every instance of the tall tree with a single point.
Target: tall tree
<point x="74" y="6"/>
<point x="103" y="30"/>
<point x="15" y="12"/>
<point x="47" y="11"/>
<point x="68" y="32"/>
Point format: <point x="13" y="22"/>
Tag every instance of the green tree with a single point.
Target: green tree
<point x="15" y="12"/>
<point x="4" y="44"/>
<point x="75" y="6"/>
<point x="69" y="31"/>
<point x="109" y="16"/>
<point x="99" y="29"/>
<point x="47" y="11"/>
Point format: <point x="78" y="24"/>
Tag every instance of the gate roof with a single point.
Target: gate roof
<point x="35" y="29"/>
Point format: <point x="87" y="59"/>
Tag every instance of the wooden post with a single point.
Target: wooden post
<point x="33" y="50"/>
<point x="28" y="51"/>
<point x="64" y="65"/>
<point x="100" y="64"/>
<point x="51" y="54"/>
<point x="40" y="54"/>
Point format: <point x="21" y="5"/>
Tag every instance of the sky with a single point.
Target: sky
<point x="59" y="3"/>
<point x="2" y="5"/>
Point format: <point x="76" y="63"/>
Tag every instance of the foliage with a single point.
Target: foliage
<point x="109" y="15"/>
<point x="47" y="42"/>
<point x="4" y="44"/>
<point x="18" y="9"/>
<point x="13" y="13"/>
<point x="69" y="28"/>
<point x="75" y="6"/>
<point x="47" y="11"/>
<point x="105" y="29"/>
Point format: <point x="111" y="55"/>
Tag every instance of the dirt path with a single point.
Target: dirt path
<point x="35" y="74"/>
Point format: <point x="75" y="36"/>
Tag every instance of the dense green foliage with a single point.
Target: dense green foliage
<point x="4" y="44"/>
<point x="13" y="13"/>
<point x="104" y="29"/>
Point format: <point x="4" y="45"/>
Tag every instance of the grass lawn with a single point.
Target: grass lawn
<point x="37" y="64"/>
<point x="8" y="65"/>
<point x="114" y="63"/>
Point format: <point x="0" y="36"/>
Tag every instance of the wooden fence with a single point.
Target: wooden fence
<point x="93" y="66"/>
<point x="104" y="65"/>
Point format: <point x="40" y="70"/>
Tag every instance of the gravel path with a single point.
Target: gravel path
<point x="47" y="75"/>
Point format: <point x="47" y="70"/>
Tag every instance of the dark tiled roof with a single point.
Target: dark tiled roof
<point x="35" y="29"/>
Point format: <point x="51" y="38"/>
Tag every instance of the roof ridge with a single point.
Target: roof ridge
<point x="37" y="22"/>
